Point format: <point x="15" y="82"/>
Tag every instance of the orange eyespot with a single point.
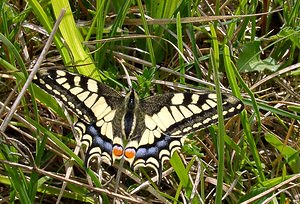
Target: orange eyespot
<point x="117" y="151"/>
<point x="129" y="153"/>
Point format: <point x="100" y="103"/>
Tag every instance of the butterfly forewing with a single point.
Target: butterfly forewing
<point x="87" y="98"/>
<point x="182" y="113"/>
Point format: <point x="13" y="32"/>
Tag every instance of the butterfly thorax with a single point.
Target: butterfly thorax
<point x="129" y="119"/>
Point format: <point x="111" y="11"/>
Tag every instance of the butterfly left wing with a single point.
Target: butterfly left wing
<point x="93" y="103"/>
<point x="168" y="118"/>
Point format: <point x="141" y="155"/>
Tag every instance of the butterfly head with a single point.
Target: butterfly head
<point x="131" y="101"/>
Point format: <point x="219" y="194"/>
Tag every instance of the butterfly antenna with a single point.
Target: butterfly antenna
<point x="126" y="73"/>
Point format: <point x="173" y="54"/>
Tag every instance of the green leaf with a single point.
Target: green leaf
<point x="47" y="22"/>
<point x="74" y="39"/>
<point x="290" y="154"/>
<point x="294" y="108"/>
<point x="162" y="9"/>
<point x="249" y="60"/>
<point x="180" y="170"/>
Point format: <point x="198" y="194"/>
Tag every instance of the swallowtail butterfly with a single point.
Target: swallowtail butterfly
<point x="145" y="132"/>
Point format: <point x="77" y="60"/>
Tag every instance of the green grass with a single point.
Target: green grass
<point x="247" y="159"/>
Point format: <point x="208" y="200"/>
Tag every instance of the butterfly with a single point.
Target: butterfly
<point x="144" y="132"/>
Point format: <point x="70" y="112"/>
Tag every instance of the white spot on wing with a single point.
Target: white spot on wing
<point x="86" y="143"/>
<point x="177" y="133"/>
<point x="100" y="123"/>
<point x="48" y="87"/>
<point x="150" y="124"/>
<point x="85" y="117"/>
<point x="103" y="129"/>
<point x="196" y="125"/>
<point x="187" y="129"/>
<point x="176" y="114"/>
<point x="90" y="101"/>
<point x="63" y="97"/>
<point x="166" y="117"/>
<point x="76" y="90"/>
<point x="144" y="138"/>
<point x="42" y="81"/>
<point x="92" y="85"/>
<point x="195" y="98"/>
<point x="211" y="103"/>
<point x="239" y="106"/>
<point x="159" y="123"/>
<point x="100" y="115"/>
<point x="60" y="73"/>
<point x="215" y="117"/>
<point x="109" y="131"/>
<point x="81" y="126"/>
<point x="231" y="110"/>
<point x="174" y="145"/>
<point x="151" y="137"/>
<point x="66" y="86"/>
<point x="56" y="92"/>
<point x="156" y="133"/>
<point x="78" y="111"/>
<point x="110" y="116"/>
<point x="82" y="96"/>
<point x="138" y="163"/>
<point x="177" y="99"/>
<point x="99" y="107"/>
<point x="205" y="107"/>
<point x="207" y="120"/>
<point x="212" y="96"/>
<point x="106" y="158"/>
<point x="71" y="104"/>
<point x="164" y="153"/>
<point x="87" y="139"/>
<point x="77" y="80"/>
<point x="95" y="150"/>
<point x="186" y="112"/>
<point x="61" y="80"/>
<point x="153" y="163"/>
<point x="194" y="108"/>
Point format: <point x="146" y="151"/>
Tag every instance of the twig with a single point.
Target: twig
<point x="72" y="181"/>
<point x="297" y="176"/>
<point x="32" y="74"/>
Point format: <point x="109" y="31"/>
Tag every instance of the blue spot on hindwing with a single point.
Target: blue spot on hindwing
<point x="99" y="140"/>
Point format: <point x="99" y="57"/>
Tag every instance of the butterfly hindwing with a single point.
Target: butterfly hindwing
<point x="97" y="144"/>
